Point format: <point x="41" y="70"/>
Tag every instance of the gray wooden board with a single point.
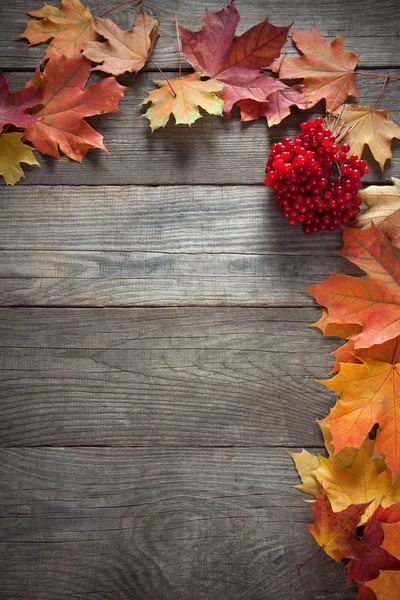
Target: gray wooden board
<point x="368" y="27"/>
<point x="215" y="150"/>
<point x="162" y="377"/>
<point x="160" y="524"/>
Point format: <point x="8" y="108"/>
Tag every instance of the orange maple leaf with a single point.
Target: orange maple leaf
<point x="386" y="586"/>
<point x="372" y="301"/>
<point x="60" y="120"/>
<point x="327" y="69"/>
<point x="124" y="51"/>
<point x="391" y="542"/>
<point x="368" y="393"/>
<point x="369" y="126"/>
<point x="182" y="98"/>
<point x="336" y="532"/>
<point x="383" y="202"/>
<point x="68" y="25"/>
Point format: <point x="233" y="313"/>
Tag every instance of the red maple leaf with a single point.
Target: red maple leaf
<point x="236" y="62"/>
<point x="60" y="121"/>
<point x="13" y="105"/>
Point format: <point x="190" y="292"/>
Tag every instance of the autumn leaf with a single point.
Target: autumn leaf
<point x="67" y="26"/>
<point x="392" y="538"/>
<point x="386" y="586"/>
<point x="124" y="51"/>
<point x="365" y="593"/>
<point x="191" y="93"/>
<point x="306" y="464"/>
<point x="372" y="301"/>
<point x="357" y="484"/>
<point x="336" y="532"/>
<point x="369" y="127"/>
<point x="60" y="122"/>
<point x="13" y="152"/>
<point x="275" y="108"/>
<point x="13" y="105"/>
<point x="368" y="393"/>
<point x="368" y="567"/>
<point x="383" y="202"/>
<point x="326" y="69"/>
<point x="235" y="61"/>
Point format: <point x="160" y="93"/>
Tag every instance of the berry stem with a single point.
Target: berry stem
<point x="381" y="92"/>
<point x="164" y="75"/>
<point x="377" y="75"/>
<point x="118" y="6"/>
<point x="179" y="45"/>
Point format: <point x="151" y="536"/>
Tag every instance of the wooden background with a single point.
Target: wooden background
<point x="155" y="354"/>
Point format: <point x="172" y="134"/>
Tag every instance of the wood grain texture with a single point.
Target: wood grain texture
<point x="170" y="219"/>
<point x="187" y="524"/>
<point x="369" y="29"/>
<point x="35" y="278"/>
<point x="162" y="377"/>
<point x="214" y="150"/>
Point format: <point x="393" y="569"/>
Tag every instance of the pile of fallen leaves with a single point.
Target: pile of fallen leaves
<point x="357" y="487"/>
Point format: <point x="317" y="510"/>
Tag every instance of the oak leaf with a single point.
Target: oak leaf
<point x="13" y="105"/>
<point x="60" y="121"/>
<point x="13" y="152"/>
<point x="191" y="93"/>
<point x="357" y="484"/>
<point x="67" y="26"/>
<point x="383" y="202"/>
<point x="372" y="301"/>
<point x="336" y="532"/>
<point x="276" y="107"/>
<point x="371" y="127"/>
<point x="326" y="69"/>
<point x="236" y="62"/>
<point x="124" y="51"/>
<point x="368" y="393"/>
<point x="386" y="586"/>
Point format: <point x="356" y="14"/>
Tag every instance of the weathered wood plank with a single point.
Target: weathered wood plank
<point x="375" y="38"/>
<point x="214" y="151"/>
<point x="184" y="524"/>
<point x="37" y="278"/>
<point x="172" y="219"/>
<point x="162" y="377"/>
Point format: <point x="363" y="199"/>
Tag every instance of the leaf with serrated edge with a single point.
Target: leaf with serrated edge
<point x="60" y="121"/>
<point x="386" y="586"/>
<point x="68" y="26"/>
<point x="383" y="202"/>
<point x="326" y="69"/>
<point x="14" y="105"/>
<point x="191" y="93"/>
<point x="124" y="51"/>
<point x="372" y="301"/>
<point x="371" y="127"/>
<point x="13" y="152"/>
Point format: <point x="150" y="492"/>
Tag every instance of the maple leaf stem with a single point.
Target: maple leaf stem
<point x="179" y="45"/>
<point x="381" y="92"/>
<point x="377" y="75"/>
<point x="310" y="558"/>
<point x="118" y="6"/>
<point x="163" y="74"/>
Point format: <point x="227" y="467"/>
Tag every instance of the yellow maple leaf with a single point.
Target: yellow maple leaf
<point x="306" y="464"/>
<point x="383" y="202"/>
<point x="188" y="94"/>
<point x="358" y="483"/>
<point x="13" y="152"/>
<point x="369" y="126"/>
<point x="68" y="25"/>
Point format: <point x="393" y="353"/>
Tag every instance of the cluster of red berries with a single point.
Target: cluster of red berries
<point x="314" y="181"/>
